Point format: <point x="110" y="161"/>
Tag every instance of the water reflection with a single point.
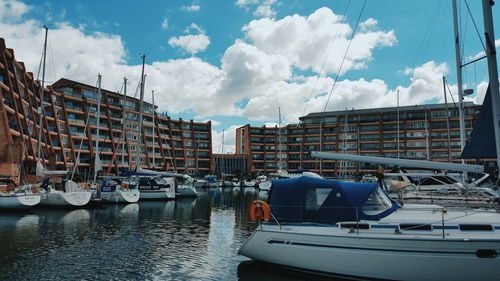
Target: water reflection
<point x="185" y="239"/>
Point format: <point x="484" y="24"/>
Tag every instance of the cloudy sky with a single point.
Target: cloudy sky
<point x="236" y="62"/>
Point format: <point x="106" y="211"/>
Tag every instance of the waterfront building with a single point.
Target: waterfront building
<point x="422" y="132"/>
<point x="69" y="128"/>
<point x="230" y="164"/>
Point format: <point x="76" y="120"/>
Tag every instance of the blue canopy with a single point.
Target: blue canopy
<point x="320" y="200"/>
<point x="211" y="178"/>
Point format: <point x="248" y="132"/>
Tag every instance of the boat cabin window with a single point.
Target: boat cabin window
<point x="437" y="180"/>
<point x="355" y="226"/>
<point x="160" y="180"/>
<point x="413" y="226"/>
<point x="376" y="203"/>
<point x="133" y="181"/>
<point x="476" y="227"/>
<point x="315" y="197"/>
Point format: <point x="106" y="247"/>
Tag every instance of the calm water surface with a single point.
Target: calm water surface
<point x="185" y="239"/>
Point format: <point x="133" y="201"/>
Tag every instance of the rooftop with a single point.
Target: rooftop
<point x="383" y="110"/>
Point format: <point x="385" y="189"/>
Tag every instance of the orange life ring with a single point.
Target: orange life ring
<point x="125" y="186"/>
<point x="260" y="210"/>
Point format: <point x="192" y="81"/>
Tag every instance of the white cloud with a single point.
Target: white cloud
<point x="243" y="3"/>
<point x="249" y="71"/>
<point x="229" y="140"/>
<point x="190" y="43"/>
<point x="264" y="11"/>
<point x="164" y="24"/>
<point x="305" y="40"/>
<point x="260" y="74"/>
<point x="482" y="53"/>
<point x="11" y="10"/>
<point x="214" y="122"/>
<point x="195" y="27"/>
<point x="192" y="8"/>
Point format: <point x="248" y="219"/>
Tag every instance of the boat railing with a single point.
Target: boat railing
<point x="411" y="225"/>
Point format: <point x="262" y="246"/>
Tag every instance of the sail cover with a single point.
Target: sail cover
<point x="42" y="172"/>
<point x="481" y="144"/>
<point x="309" y="199"/>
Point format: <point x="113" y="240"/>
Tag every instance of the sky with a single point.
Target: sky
<point x="238" y="62"/>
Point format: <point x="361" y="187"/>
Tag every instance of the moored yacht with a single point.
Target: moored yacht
<point x="211" y="181"/>
<point x="17" y="197"/>
<point x="355" y="230"/>
<point x="57" y="191"/>
<point x="248" y="183"/>
<point x="118" y="190"/>
<point x="185" y="186"/>
<point x="154" y="187"/>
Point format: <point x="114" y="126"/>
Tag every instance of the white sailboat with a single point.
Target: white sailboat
<point x="55" y="190"/>
<point x="152" y="185"/>
<point x="17" y="197"/>
<point x="353" y="230"/>
<point x="111" y="190"/>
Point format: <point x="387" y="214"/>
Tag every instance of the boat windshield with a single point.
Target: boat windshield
<point x="160" y="180"/>
<point x="376" y="203"/>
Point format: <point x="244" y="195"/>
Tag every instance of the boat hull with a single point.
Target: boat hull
<point x="186" y="192"/>
<point x="121" y="196"/>
<point x="381" y="258"/>
<point x="66" y="199"/>
<point x="266" y="185"/>
<point x="248" y="183"/>
<point x="160" y="194"/>
<point x="18" y="201"/>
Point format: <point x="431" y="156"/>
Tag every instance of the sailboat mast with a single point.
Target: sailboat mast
<point x="222" y="154"/>
<point x="153" y="98"/>
<point x="447" y="119"/>
<point x="458" y="61"/>
<point x="97" y="159"/>
<point x="492" y="72"/>
<point x="40" y="109"/>
<point x="397" y="123"/>
<point x="141" y="103"/>
<point x="280" y="161"/>
<point x="124" y="118"/>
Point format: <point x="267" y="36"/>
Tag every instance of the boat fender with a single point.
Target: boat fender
<point x="260" y="210"/>
<point x="35" y="189"/>
<point x="86" y="186"/>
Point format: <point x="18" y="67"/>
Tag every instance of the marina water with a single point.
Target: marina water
<point x="183" y="239"/>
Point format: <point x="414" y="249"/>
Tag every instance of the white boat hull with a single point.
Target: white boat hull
<point x="266" y="185"/>
<point x="121" y="196"/>
<point x="186" y="192"/>
<point x="67" y="199"/>
<point x="19" y="201"/>
<point x="352" y="255"/>
<point x="200" y="184"/>
<point x="161" y="194"/>
<point x="249" y="183"/>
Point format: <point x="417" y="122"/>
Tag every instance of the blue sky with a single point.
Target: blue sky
<point x="235" y="62"/>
